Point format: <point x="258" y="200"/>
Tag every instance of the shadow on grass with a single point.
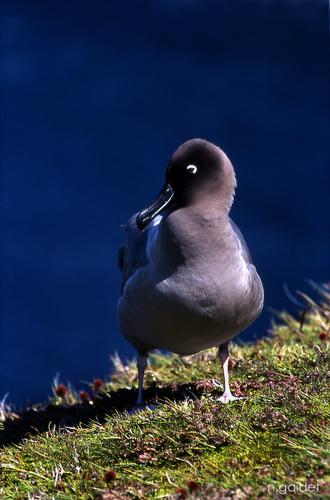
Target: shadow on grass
<point x="41" y="419"/>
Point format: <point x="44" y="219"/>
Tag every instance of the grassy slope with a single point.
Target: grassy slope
<point x="278" y="436"/>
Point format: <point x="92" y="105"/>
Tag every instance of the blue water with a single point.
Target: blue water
<point x="95" y="97"/>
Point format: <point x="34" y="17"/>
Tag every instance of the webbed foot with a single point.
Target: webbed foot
<point x="227" y="397"/>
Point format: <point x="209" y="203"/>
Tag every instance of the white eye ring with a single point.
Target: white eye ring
<point x="192" y="168"/>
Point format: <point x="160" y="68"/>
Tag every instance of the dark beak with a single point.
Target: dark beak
<point x="162" y="201"/>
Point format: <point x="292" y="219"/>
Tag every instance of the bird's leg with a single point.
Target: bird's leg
<point x="142" y="362"/>
<point x="224" y="358"/>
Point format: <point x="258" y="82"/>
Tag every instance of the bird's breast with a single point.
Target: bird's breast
<point x="197" y="291"/>
<point x="190" y="310"/>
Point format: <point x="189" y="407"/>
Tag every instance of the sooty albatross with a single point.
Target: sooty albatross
<point x="188" y="281"/>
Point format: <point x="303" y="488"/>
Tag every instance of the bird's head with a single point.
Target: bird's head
<point x="199" y="173"/>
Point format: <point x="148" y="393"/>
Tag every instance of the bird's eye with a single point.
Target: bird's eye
<point x="192" y="169"/>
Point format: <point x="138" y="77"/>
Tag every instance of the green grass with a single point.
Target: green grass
<point x="268" y="445"/>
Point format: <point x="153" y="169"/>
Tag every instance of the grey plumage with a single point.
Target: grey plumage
<point x="187" y="303"/>
<point x="188" y="281"/>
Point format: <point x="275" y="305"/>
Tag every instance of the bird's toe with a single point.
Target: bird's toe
<point x="227" y="397"/>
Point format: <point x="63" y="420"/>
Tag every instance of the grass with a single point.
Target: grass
<point x="275" y="443"/>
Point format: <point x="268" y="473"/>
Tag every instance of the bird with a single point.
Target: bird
<point x="188" y="281"/>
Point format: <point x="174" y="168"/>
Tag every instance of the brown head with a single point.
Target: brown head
<point x="199" y="173"/>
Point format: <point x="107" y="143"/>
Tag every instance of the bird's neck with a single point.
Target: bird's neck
<point x="189" y="234"/>
<point x="210" y="206"/>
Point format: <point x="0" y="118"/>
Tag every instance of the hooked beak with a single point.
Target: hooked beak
<point x="162" y="201"/>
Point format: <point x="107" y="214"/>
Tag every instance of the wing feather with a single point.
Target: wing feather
<point x="132" y="254"/>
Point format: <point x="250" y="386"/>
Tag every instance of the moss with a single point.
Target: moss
<point x="274" y="443"/>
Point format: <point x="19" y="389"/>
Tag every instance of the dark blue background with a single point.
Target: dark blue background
<point x="95" y="97"/>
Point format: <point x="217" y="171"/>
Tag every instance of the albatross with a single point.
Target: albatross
<point x="188" y="280"/>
